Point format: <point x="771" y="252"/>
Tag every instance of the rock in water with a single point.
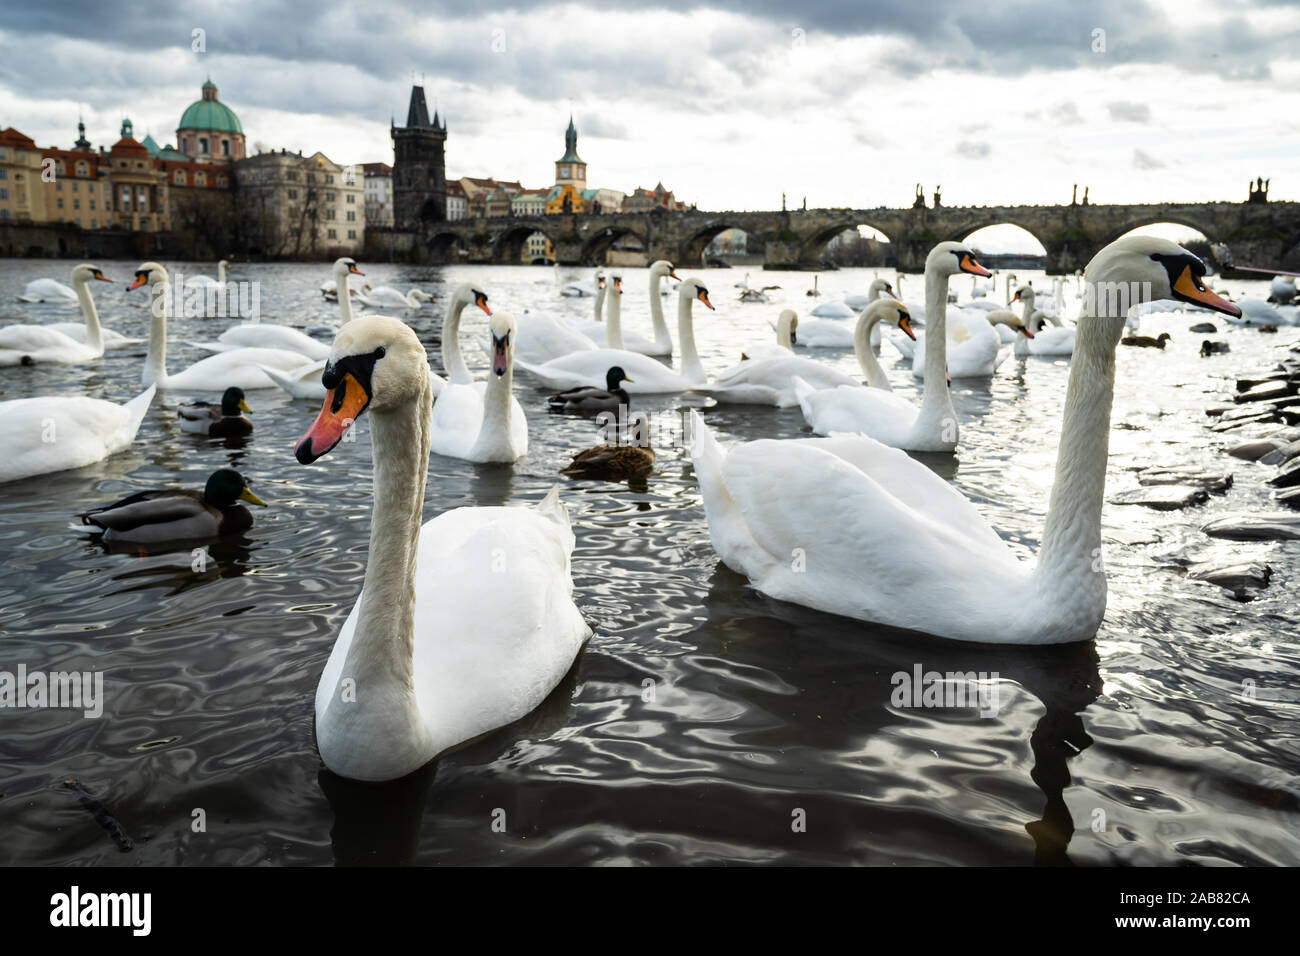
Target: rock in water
<point x="1210" y="481"/>
<point x="1290" y="497"/>
<point x="1163" y="497"/>
<point x="1241" y="579"/>
<point x="1264" y="391"/>
<point x="1287" y="475"/>
<point x="1204" y="327"/>
<point x="1281" y="455"/>
<point x="1257" y="450"/>
<point x="1268" y="526"/>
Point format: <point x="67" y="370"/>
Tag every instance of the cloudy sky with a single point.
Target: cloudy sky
<point x="729" y="102"/>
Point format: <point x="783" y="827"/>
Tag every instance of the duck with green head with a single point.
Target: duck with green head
<point x="217" y="421"/>
<point x="151" y="517"/>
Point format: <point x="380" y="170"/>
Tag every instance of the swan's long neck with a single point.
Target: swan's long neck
<point x="599" y="303"/>
<point x="783" y="333"/>
<point x="345" y="296"/>
<point x="155" y="362"/>
<point x="94" y="332"/>
<point x="221" y="273"/>
<point x="614" y="321"/>
<point x="871" y="369"/>
<point x="937" y="414"/>
<point x="452" y="361"/>
<point x="1072" y="536"/>
<point x="657" y="313"/>
<point x="381" y="657"/>
<point x="692" y="367"/>
<point x="498" y="409"/>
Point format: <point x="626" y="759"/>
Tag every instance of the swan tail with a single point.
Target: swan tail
<point x="136" y="409"/>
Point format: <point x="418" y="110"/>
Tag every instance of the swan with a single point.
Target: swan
<point x="773" y="381"/>
<point x="651" y="377"/>
<point x="202" y="280"/>
<point x="84" y="331"/>
<point x="152" y="517"/>
<point x="896" y="526"/>
<point x="544" y="337"/>
<point x="973" y="349"/>
<point x="833" y="310"/>
<point x="836" y="334"/>
<point x="40" y="344"/>
<point x="48" y="290"/>
<point x="1048" y="341"/>
<point x="614" y="335"/>
<point x="242" y="367"/>
<point x="787" y="324"/>
<point x="463" y="625"/>
<point x="932" y="427"/>
<point x="225" y="420"/>
<point x="304" y="381"/>
<point x="482" y="421"/>
<point x="58" y="432"/>
<point x="663" y="342"/>
<point x="580" y="290"/>
<point x="386" y="297"/>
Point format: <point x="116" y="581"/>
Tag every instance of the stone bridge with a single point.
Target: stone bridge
<point x="1258" y="233"/>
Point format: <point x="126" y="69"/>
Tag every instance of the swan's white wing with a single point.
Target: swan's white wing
<point x="274" y="336"/>
<point x="55" y="433"/>
<point x="240" y="367"/>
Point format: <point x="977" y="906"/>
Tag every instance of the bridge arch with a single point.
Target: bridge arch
<point x="508" y="245"/>
<point x="813" y="249"/>
<point x="597" y="246"/>
<point x="445" y="247"/>
<point x="690" y="251"/>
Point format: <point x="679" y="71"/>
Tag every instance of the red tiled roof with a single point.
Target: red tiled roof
<point x="126" y="146"/>
<point x="11" y="137"/>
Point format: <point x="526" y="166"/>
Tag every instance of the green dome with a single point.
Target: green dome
<point x="210" y="114"/>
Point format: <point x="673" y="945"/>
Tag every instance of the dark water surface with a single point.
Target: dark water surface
<point x="703" y="723"/>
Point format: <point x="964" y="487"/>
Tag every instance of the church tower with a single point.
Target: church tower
<point x="419" y="168"/>
<point x="570" y="170"/>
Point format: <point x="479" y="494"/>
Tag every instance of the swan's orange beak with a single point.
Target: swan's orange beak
<point x="480" y="299"/>
<point x="1190" y="288"/>
<point x="1015" y="298"/>
<point x="1025" y="329"/>
<point x="704" y="297"/>
<point x="341" y="409"/>
<point x="905" y="323"/>
<point x="673" y="274"/>
<point x="354" y="270"/>
<point x="101" y="277"/>
<point x="969" y="264"/>
<point x="139" y="280"/>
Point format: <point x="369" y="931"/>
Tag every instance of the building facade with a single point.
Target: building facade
<point x="457" y="202"/>
<point x="379" y="193"/>
<point x="295" y="206"/>
<point x="22" y="194"/>
<point x="419" y="166"/>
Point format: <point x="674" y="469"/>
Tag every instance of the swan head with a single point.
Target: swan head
<point x="347" y="264"/>
<point x="148" y="273"/>
<point x="1138" y="269"/>
<point x="786" y="324"/>
<point x="693" y="288"/>
<point x="662" y="267"/>
<point x="85" y="272"/>
<point x="376" y="363"/>
<point x="950" y="258"/>
<point x="1024" y="294"/>
<point x="617" y="279"/>
<point x="891" y="311"/>
<point x="466" y="294"/>
<point x="1010" y="320"/>
<point x="881" y="285"/>
<point x="599" y="279"/>
<point x="225" y="486"/>
<point x="502" y="328"/>
<point x="614" y="376"/>
<point x="421" y="296"/>
<point x="224" y="263"/>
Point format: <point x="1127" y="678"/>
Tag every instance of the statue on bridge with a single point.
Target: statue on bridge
<point x="919" y="202"/>
<point x="1258" y="190"/>
<point x="1074" y="196"/>
<point x="1085" y="196"/>
<point x="937" y="204"/>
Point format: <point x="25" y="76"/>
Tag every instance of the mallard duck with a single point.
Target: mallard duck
<point x="217" y="421"/>
<point x="1209" y="348"/>
<point x="588" y="398"/>
<point x="1146" y="341"/>
<point x="150" y="517"/>
<point x="612" y="462"/>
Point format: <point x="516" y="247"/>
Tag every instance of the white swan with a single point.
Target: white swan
<point x="242" y="367"/>
<point x="481" y="421"/>
<point x="386" y="297"/>
<point x="973" y="350"/>
<point x="663" y="342"/>
<point x="1052" y="340"/>
<point x="651" y="377"/>
<point x="304" y="381"/>
<point x="48" y="290"/>
<point x="932" y="427"/>
<point x="57" y="432"/>
<point x="901" y="546"/>
<point x="787" y="325"/>
<point x="774" y="381"/>
<point x="42" y="344"/>
<point x="836" y="334"/>
<point x="833" y="310"/>
<point x="615" y="337"/>
<point x="202" y="280"/>
<point x="463" y="625"/>
<point x="89" y="329"/>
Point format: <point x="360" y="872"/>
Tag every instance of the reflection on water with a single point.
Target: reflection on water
<point x="703" y="721"/>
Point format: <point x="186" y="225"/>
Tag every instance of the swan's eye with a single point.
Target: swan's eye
<point x="380" y="352"/>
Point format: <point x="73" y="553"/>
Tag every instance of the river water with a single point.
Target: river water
<point x="703" y="723"/>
